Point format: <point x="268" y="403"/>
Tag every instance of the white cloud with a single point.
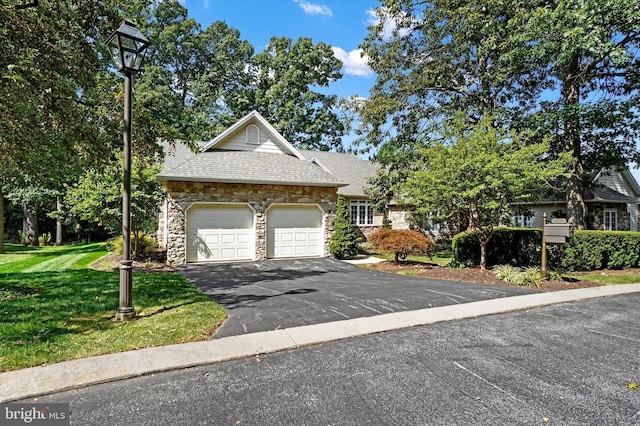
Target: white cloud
<point x="354" y="62"/>
<point x="314" y="9"/>
<point x="389" y="23"/>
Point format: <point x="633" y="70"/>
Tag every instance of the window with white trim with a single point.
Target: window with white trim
<point x="361" y="213"/>
<point x="610" y="220"/>
<point x="429" y="225"/>
<point x="523" y="221"/>
<point x="253" y="134"/>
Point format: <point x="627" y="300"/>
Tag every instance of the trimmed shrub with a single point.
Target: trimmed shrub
<point x="401" y="242"/>
<point x="508" y="246"/>
<point x="585" y="250"/>
<point x="591" y="250"/>
<point x="145" y="243"/>
<point x="344" y="240"/>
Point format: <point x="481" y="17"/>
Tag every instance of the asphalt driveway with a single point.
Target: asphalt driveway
<point x="268" y="295"/>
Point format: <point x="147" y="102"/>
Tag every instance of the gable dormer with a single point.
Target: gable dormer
<point x="252" y="133"/>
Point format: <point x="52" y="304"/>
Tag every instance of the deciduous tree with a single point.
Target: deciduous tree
<point x="286" y="72"/>
<point x="567" y="69"/>
<point x="478" y="172"/>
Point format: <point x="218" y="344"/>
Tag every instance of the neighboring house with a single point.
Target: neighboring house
<point x="612" y="205"/>
<point x="250" y="195"/>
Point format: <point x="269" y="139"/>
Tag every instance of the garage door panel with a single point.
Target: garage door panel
<point x="294" y="231"/>
<point x="219" y="232"/>
<point x="211" y="239"/>
<point x="244" y="238"/>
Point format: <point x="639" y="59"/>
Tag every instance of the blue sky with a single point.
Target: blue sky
<point x="340" y="23"/>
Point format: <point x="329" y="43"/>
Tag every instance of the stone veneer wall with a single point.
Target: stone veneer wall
<point x="399" y="217"/>
<point x="595" y="216"/>
<point x="181" y="195"/>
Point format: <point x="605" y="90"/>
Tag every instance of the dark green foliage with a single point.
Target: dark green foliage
<point x="344" y="241"/>
<point x="508" y="246"/>
<point x="386" y="222"/>
<point x="589" y="250"/>
<point x="442" y="244"/>
<point x="585" y="251"/>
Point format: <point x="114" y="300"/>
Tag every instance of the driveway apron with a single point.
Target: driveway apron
<point x="274" y="294"/>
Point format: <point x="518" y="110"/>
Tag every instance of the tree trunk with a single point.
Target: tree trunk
<point x="1" y="221"/>
<point x="136" y="245"/>
<point x="483" y="255"/>
<point x="58" y="223"/>
<point x="576" y="210"/>
<point x="484" y="236"/>
<point x="30" y="227"/>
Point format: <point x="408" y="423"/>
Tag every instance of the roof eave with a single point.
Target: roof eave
<point x="167" y="178"/>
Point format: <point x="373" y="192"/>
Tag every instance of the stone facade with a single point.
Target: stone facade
<point x="595" y="216"/>
<point x="181" y="195"/>
<point x="399" y="217"/>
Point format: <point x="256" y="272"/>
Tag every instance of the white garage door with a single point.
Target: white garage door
<point x="219" y="232"/>
<point x="294" y="231"/>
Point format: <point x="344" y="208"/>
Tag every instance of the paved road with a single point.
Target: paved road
<point x="567" y="364"/>
<point x="262" y="296"/>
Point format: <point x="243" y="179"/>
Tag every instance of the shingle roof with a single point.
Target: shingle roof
<point x="600" y="194"/>
<point x="605" y="194"/>
<point x="346" y="167"/>
<point x="249" y="167"/>
<point x="176" y="153"/>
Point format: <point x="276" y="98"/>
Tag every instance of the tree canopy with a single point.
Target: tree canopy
<point x="566" y="69"/>
<point x="61" y="101"/>
<point x="478" y="174"/>
<point x="48" y="67"/>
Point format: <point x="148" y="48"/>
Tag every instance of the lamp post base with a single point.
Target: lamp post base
<point x="126" y="312"/>
<point x="125" y="316"/>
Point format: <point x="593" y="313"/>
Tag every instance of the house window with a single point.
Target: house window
<point x="523" y="221"/>
<point x="361" y="213"/>
<point x="253" y="134"/>
<point x="429" y="225"/>
<point x="610" y="220"/>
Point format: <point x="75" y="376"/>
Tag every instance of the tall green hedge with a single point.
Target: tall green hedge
<point x="508" y="246"/>
<point x="589" y="250"/>
<point x="585" y="251"/>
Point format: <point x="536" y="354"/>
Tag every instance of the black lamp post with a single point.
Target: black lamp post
<point x="127" y="46"/>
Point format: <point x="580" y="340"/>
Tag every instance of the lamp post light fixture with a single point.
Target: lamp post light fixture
<point x="127" y="46"/>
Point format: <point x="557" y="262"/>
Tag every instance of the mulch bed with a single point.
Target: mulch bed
<point x="111" y="262"/>
<point x="470" y="275"/>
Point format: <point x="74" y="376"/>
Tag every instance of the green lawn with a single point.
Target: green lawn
<point x="606" y="278"/>
<point x="53" y="307"/>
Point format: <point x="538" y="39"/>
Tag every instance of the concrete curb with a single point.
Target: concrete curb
<point x="37" y="381"/>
